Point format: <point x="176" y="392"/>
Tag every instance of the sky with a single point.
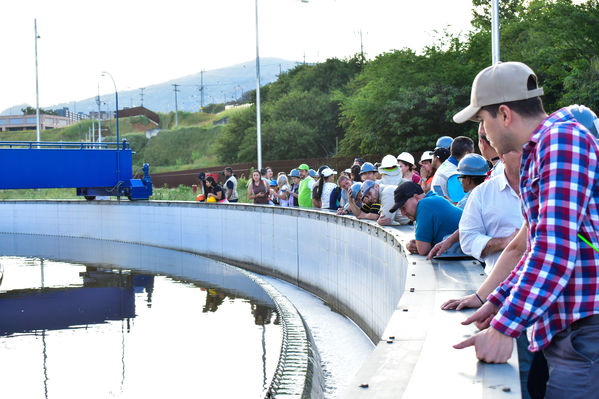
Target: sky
<point x="141" y="43"/>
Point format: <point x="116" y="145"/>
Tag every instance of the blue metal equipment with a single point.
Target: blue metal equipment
<point x="94" y="169"/>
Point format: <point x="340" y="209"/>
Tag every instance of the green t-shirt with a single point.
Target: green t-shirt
<point x="304" y="192"/>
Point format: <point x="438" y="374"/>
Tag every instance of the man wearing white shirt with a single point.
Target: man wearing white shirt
<point x="460" y="147"/>
<point x="493" y="214"/>
<point x="489" y="153"/>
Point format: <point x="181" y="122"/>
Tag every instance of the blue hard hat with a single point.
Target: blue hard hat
<point x="444" y="142"/>
<point x="367" y="167"/>
<point x="473" y="165"/>
<point x="312" y="173"/>
<point x="355" y="190"/>
<point x="586" y="117"/>
<point x="366" y="186"/>
<point x="294" y="173"/>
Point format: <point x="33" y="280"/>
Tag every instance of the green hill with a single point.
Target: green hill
<point x="190" y="145"/>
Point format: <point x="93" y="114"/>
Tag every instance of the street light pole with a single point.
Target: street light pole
<point x="37" y="92"/>
<point x="258" y="124"/>
<point x="99" y="115"/>
<point x="116" y="93"/>
<point x="495" y="31"/>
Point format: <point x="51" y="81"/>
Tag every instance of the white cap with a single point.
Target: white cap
<point x="327" y="172"/>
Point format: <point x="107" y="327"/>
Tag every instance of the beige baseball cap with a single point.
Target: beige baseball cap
<point x="498" y="84"/>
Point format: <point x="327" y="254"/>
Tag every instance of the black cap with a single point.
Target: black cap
<point x="442" y="153"/>
<point x="404" y="192"/>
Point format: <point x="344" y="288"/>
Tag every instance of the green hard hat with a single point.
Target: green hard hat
<point x="303" y="167"/>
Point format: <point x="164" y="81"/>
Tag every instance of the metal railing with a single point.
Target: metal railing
<point x="63" y="145"/>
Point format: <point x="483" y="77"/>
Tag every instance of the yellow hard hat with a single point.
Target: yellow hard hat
<point x="211" y="199"/>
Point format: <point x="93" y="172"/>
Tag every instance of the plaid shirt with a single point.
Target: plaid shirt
<point x="557" y="281"/>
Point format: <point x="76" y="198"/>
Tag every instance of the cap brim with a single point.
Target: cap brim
<point x="467" y="114"/>
<point x="395" y="207"/>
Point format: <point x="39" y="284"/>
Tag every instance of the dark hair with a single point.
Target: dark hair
<point x="477" y="179"/>
<point x="229" y="169"/>
<point x="318" y="189"/>
<point x="263" y="172"/>
<point x="527" y="108"/>
<point x="409" y="165"/>
<point x="461" y="146"/>
<point x="355" y="173"/>
<point x="441" y="153"/>
<point x="211" y="180"/>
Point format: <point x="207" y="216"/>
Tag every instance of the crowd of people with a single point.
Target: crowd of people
<point x="527" y="207"/>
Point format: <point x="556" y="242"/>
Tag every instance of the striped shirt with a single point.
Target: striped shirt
<point x="557" y="281"/>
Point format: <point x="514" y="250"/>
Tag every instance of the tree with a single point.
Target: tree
<point x="300" y="115"/>
<point x="32" y="111"/>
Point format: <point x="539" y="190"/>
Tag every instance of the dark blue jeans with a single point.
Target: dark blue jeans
<point x="573" y="359"/>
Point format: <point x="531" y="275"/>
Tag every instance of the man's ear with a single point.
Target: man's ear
<point x="505" y="115"/>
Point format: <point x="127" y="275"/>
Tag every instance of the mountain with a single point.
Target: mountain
<point x="220" y="85"/>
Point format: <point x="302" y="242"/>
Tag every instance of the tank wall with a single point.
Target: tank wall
<point x="357" y="268"/>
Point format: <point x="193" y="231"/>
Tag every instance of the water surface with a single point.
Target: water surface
<point x="72" y="330"/>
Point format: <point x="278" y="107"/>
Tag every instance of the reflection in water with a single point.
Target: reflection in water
<point x="165" y="347"/>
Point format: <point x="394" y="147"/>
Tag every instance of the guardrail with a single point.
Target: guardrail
<point x="34" y="145"/>
<point x="359" y="268"/>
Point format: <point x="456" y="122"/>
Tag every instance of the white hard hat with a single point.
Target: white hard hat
<point x="406" y="157"/>
<point x="388" y="161"/>
<point x="426" y="156"/>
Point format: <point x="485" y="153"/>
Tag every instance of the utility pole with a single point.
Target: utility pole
<point x="202" y="91"/>
<point x="37" y="92"/>
<point x="361" y="47"/>
<point x="142" y="95"/>
<point x="176" y="106"/>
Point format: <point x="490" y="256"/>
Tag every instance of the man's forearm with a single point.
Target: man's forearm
<point x="423" y="247"/>
<point x="495" y="245"/>
<point x="508" y="260"/>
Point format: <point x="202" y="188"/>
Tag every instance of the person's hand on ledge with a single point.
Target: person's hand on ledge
<point x="468" y="301"/>
<point x="439" y="249"/>
<point x="411" y="247"/>
<point x="483" y="316"/>
<point x="490" y="345"/>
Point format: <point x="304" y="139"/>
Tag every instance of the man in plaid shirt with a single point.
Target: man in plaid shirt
<point x="555" y="286"/>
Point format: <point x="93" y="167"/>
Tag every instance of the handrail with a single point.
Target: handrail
<point x="63" y="145"/>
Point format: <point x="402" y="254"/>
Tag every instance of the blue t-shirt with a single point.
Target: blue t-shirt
<point x="436" y="218"/>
